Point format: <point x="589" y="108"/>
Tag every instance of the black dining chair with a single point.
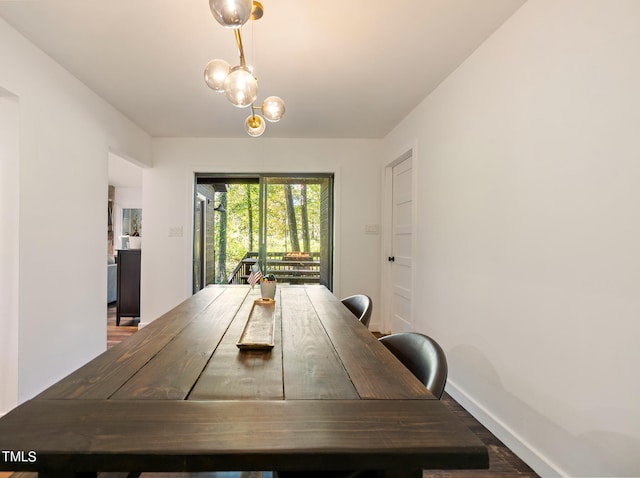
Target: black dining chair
<point x="361" y="306"/>
<point x="423" y="356"/>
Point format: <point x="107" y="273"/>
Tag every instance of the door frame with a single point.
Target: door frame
<point x="200" y="198"/>
<point x="387" y="236"/>
<point x="261" y="177"/>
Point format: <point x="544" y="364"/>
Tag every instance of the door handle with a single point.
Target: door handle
<point x="391" y="259"/>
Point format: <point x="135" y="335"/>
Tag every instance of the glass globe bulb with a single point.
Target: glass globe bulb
<point x="231" y="13"/>
<point x="254" y="125"/>
<point x="273" y="108"/>
<point x="215" y="73"/>
<point x="241" y="87"/>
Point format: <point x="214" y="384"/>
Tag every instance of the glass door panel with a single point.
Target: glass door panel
<point x="237" y="230"/>
<point x="297" y="229"/>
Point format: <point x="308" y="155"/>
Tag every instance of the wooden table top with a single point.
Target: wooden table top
<point x="179" y="395"/>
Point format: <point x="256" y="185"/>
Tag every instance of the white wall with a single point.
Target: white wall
<point x="128" y="197"/>
<point x="9" y="167"/>
<point x="529" y="166"/>
<point x="66" y="132"/>
<point x="168" y="203"/>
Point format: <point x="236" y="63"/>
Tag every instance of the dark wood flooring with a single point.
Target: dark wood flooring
<point x="117" y="333"/>
<point x="503" y="463"/>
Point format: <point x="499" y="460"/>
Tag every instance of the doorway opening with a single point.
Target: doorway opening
<point x="284" y="223"/>
<point x="124" y="244"/>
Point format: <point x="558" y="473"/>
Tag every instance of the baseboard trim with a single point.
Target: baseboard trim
<point x="527" y="453"/>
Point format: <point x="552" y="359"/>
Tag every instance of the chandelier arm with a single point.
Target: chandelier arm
<point x="238" y="83"/>
<point x="254" y="108"/>
<point x="236" y="32"/>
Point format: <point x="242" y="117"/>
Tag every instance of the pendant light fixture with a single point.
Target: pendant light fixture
<point x="238" y="83"/>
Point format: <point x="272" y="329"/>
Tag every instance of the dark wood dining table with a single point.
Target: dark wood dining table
<point x="179" y="395"/>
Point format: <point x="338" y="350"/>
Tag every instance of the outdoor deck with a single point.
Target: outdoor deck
<point x="287" y="267"/>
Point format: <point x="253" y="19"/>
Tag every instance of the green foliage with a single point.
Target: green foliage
<point x="238" y="237"/>
<point x="242" y="202"/>
<point x="277" y="224"/>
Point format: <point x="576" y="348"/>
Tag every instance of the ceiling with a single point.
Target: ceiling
<point x="346" y="69"/>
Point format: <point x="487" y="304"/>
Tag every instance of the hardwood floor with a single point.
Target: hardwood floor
<point x="503" y="463"/>
<point x="117" y="333"/>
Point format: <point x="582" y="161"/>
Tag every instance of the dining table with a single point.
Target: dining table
<point x="228" y="381"/>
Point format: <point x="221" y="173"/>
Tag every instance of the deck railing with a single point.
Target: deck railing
<point x="287" y="267"/>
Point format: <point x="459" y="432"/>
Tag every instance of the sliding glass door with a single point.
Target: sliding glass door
<point x="282" y="222"/>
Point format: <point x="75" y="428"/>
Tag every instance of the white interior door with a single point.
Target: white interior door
<point x="401" y="246"/>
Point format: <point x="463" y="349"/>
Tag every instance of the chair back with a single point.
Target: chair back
<point x="422" y="356"/>
<point x="361" y="306"/>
